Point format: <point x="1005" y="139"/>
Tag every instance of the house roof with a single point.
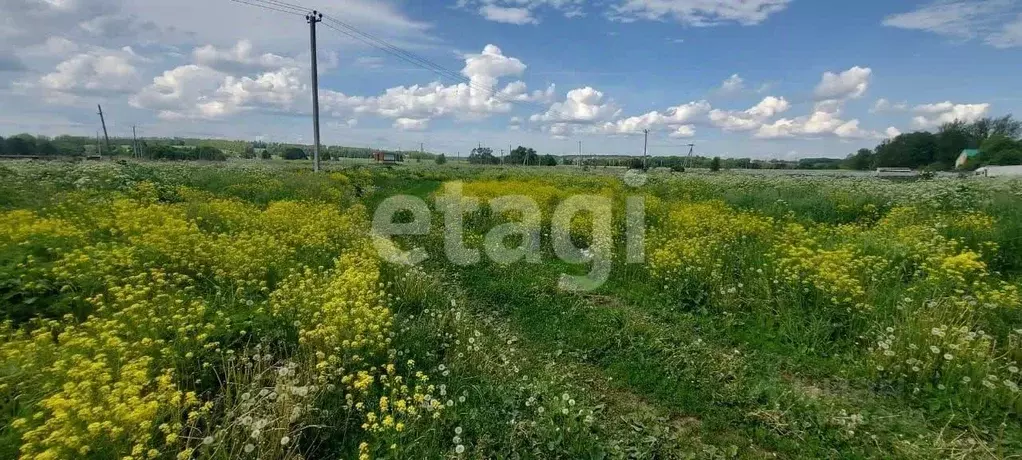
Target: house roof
<point x="970" y="152"/>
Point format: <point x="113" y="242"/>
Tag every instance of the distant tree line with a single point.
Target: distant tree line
<point x="180" y="153"/>
<point x="521" y="156"/>
<point x="79" y="146"/>
<point x="29" y="145"/>
<point x="997" y="139"/>
<point x="169" y="149"/>
<point x="681" y="163"/>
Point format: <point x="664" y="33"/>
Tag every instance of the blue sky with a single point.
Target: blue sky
<point x="758" y="78"/>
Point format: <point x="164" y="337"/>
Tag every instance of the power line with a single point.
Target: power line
<point x="365" y="37"/>
<point x="383" y="45"/>
<point x="260" y="5"/>
<point x="412" y="58"/>
<point x="408" y="56"/>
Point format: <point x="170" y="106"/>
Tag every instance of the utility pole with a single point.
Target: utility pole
<point x="312" y="19"/>
<point x="134" y="143"/>
<point x="645" y="143"/>
<point x="103" y="121"/>
<point x="579" y="154"/>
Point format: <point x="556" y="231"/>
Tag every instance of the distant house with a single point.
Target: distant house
<point x="388" y="157"/>
<point x="896" y="172"/>
<point x="1000" y="171"/>
<point x="964" y="158"/>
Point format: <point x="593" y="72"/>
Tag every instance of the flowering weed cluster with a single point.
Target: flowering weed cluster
<point x="179" y="323"/>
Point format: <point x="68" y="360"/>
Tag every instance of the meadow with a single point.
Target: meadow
<point x="242" y="310"/>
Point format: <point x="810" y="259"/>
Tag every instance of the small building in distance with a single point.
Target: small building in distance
<point x="896" y="172"/>
<point x="388" y="158"/>
<point x="965" y="156"/>
<point x="1000" y="171"/>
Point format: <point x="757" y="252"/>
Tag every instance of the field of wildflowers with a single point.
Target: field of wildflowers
<point x="154" y="311"/>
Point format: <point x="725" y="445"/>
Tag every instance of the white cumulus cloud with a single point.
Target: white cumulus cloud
<point x="818" y="124"/>
<point x="507" y="15"/>
<point x="849" y="84"/>
<point x="411" y="124"/>
<point x="698" y="12"/>
<point x="205" y="90"/>
<point x="752" y="118"/>
<point x="683" y="131"/>
<point x="581" y="106"/>
<point x="733" y="84"/>
<point x="239" y="58"/>
<point x="679" y="119"/>
<point x="521" y="12"/>
<point x="97" y="71"/>
<point x="933" y="115"/>
<point x="181" y="92"/>
<point x="884" y="105"/>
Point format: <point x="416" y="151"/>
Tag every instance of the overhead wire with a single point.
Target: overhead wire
<point x="413" y="59"/>
<point x="382" y="45"/>
<point x="368" y="38"/>
<point x="260" y="5"/>
<point x="387" y="47"/>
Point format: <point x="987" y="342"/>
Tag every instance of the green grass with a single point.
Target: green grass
<point x="758" y="381"/>
<point x="640" y="367"/>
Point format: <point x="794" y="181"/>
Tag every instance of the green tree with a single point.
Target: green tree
<point x="46" y="147"/>
<point x="3" y="146"/>
<point x="522" y="156"/>
<point x="814" y="163"/>
<point x="483" y="155"/>
<point x="999" y="150"/>
<point x="940" y="150"/>
<point x="952" y="138"/>
<point x="295" y="153"/>
<point x="265" y="154"/>
<point x="1008" y="157"/>
<point x="71" y="145"/>
<point x="715" y="164"/>
<point x="1006" y="126"/>
<point x="863" y="160"/>
<point x="441" y="159"/>
<point x="21" y="144"/>
<point x="910" y="150"/>
<point x="549" y="160"/>
<point x="163" y="152"/>
<point x="209" y="153"/>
